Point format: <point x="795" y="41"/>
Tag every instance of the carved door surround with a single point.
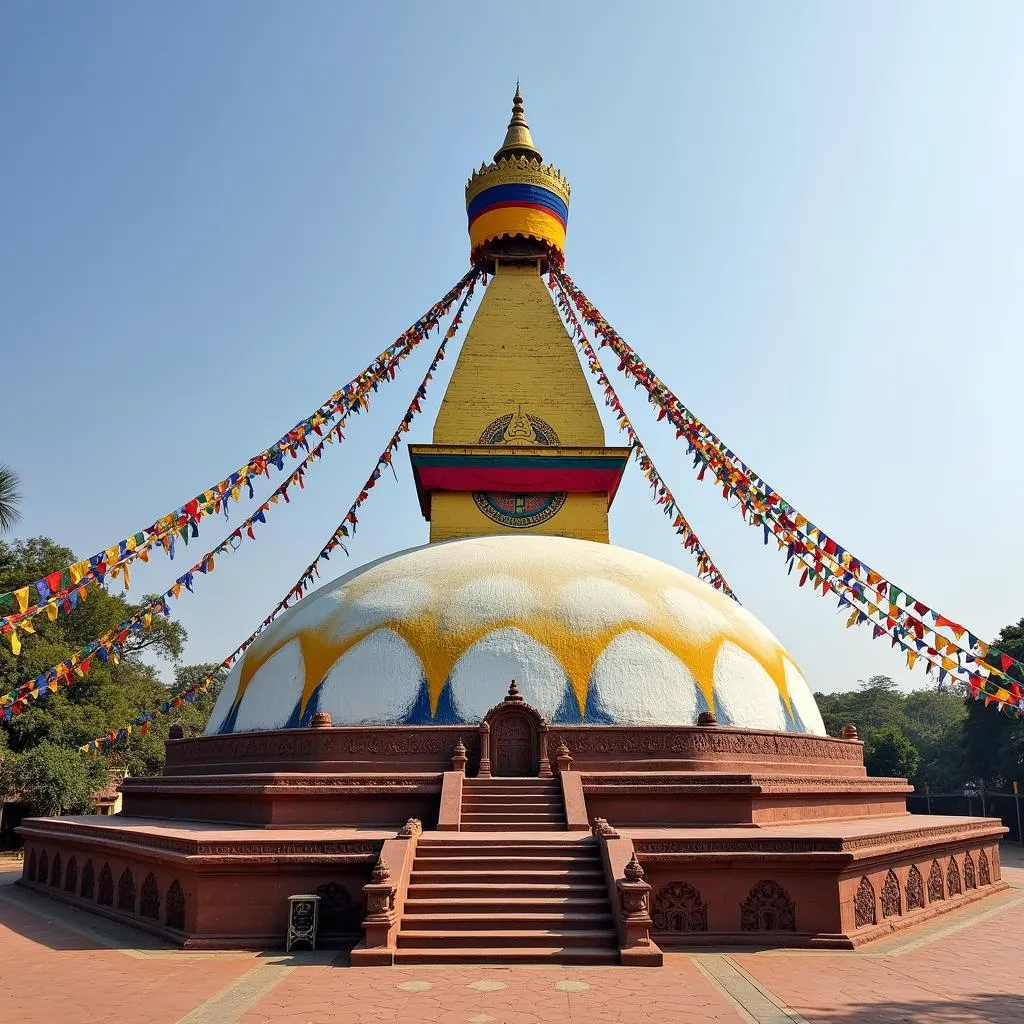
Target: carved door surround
<point x="513" y="740"/>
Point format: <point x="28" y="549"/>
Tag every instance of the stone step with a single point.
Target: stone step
<point x="483" y="800"/>
<point x="511" y="785"/>
<point x="517" y="845"/>
<point x="517" y="826"/>
<point x="476" y="889"/>
<point x="570" y="904"/>
<point x="512" y="816"/>
<point x="526" y="876"/>
<point x="508" y="937"/>
<point x="508" y="955"/>
<point x="459" y="920"/>
<point x="495" y="861"/>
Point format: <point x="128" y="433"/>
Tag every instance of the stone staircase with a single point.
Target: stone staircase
<point x="513" y="898"/>
<point x="512" y="805"/>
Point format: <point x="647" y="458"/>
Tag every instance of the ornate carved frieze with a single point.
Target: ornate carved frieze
<point x="915" y="889"/>
<point x="970" y="879"/>
<point x="678" y="908"/>
<point x="768" y="908"/>
<point x="149" y="899"/>
<point x="88" y="881"/>
<point x="126" y="891"/>
<point x="864" y="904"/>
<point x="936" y="891"/>
<point x="984" y="871"/>
<point x="892" y="903"/>
<point x="175" y="907"/>
<point x="953" y="884"/>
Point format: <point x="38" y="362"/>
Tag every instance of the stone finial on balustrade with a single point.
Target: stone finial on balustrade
<point x="514" y="696"/>
<point x="849" y="731"/>
<point x="634" y="905"/>
<point x="413" y="828"/>
<point x="380" y="904"/>
<point x="459" y="758"/>
<point x="706" y="718"/>
<point x="602" y="830"/>
<point x="563" y="757"/>
<point x="321" y="720"/>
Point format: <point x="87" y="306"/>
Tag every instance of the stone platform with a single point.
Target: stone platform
<point x="717" y="836"/>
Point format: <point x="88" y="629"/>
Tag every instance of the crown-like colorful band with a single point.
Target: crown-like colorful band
<point x="517" y="209"/>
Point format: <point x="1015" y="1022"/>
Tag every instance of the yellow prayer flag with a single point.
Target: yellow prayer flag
<point x="147" y="620"/>
<point x="130" y="544"/>
<point x="144" y="554"/>
<point x="852" y="619"/>
<point x="127" y="578"/>
<point x="911" y="658"/>
<point x="112" y="554"/>
<point x="26" y="625"/>
<point x="21" y="596"/>
<point x="236" y="493"/>
<point x="176" y="590"/>
<point x="78" y="570"/>
<point x="51" y="611"/>
<point x="15" y="642"/>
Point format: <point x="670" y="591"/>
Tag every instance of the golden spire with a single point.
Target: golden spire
<point x="518" y="140"/>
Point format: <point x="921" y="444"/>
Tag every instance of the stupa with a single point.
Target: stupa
<point x="517" y="743"/>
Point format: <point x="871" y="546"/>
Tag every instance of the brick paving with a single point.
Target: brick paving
<point x="63" y="965"/>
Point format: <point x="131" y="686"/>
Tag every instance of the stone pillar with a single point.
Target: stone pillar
<point x="380" y="906"/>
<point x="543" y="761"/>
<point x="634" y="914"/>
<point x="485" y="751"/>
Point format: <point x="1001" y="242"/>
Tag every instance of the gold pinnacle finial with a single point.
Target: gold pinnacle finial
<point x="518" y="140"/>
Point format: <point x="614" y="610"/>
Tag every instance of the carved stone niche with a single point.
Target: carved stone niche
<point x="953" y="884"/>
<point x="984" y="871"/>
<point x="892" y="903"/>
<point x="864" y="904"/>
<point x="970" y="878"/>
<point x="514" y="740"/>
<point x="936" y="891"/>
<point x="678" y="908"/>
<point x="768" y="908"/>
<point x="915" y="889"/>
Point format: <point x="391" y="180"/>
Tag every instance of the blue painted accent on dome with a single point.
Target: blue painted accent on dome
<point x="515" y="194"/>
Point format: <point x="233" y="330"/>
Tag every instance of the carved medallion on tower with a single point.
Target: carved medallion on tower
<point x="519" y="511"/>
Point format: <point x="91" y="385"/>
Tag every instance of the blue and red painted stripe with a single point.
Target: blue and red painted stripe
<point x="519" y="196"/>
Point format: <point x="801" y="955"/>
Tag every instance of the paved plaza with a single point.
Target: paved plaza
<point x="66" y="966"/>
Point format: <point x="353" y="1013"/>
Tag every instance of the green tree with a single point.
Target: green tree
<point x="872" y="705"/>
<point x="52" y="779"/>
<point x="994" y="740"/>
<point x="935" y="725"/>
<point x="10" y="498"/>
<point x="109" y="695"/>
<point x="888" y="752"/>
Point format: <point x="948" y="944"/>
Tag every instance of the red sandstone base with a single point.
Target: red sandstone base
<point x="718" y="836"/>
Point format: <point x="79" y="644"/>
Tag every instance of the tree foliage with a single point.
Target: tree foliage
<point x="10" y="498"/>
<point x="52" y="779"/>
<point x="994" y="740"/>
<point x="888" y="752"/>
<point x="109" y="695"/>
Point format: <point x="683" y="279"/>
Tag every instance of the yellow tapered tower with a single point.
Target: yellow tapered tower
<point x="518" y="443"/>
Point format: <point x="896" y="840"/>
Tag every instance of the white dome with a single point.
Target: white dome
<point x="590" y="632"/>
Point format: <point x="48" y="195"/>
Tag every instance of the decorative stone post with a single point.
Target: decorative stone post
<point x="634" y="897"/>
<point x="321" y="720"/>
<point x="706" y="718"/>
<point x="380" y="905"/>
<point x="849" y="732"/>
<point x="459" y="758"/>
<point x="562" y="757"/>
<point x="413" y="828"/>
<point x="543" y="762"/>
<point x="485" y="751"/>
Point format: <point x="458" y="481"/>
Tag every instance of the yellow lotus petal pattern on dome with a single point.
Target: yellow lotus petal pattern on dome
<point x="546" y="567"/>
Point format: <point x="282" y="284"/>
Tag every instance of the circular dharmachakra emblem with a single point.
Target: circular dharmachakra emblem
<point x="519" y="511"/>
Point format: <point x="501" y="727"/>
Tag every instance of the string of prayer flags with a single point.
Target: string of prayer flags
<point x="309" y="574"/>
<point x="706" y="568"/>
<point x="55" y="589"/>
<point x="828" y="565"/>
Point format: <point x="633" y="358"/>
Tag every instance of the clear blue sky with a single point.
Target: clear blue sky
<point x="808" y="217"/>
